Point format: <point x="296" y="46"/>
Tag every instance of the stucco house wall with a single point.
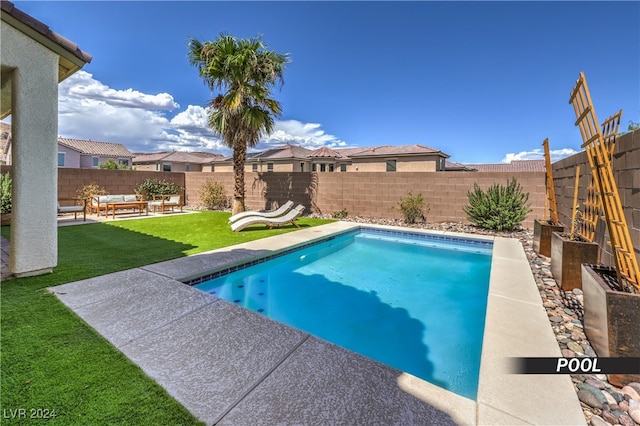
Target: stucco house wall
<point x="71" y="156"/>
<point x="34" y="75"/>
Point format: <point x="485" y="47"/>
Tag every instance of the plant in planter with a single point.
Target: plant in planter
<point x="568" y="252"/>
<point x="5" y="198"/>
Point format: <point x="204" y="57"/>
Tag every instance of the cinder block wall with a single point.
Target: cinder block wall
<point x="626" y="167"/>
<point x="366" y="194"/>
<point x="370" y="194"/>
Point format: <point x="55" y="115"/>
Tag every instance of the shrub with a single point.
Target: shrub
<point x="413" y="208"/>
<point x="500" y="208"/>
<point x="342" y="214"/>
<point x="5" y="193"/>
<point x="153" y="187"/>
<point x="88" y="190"/>
<point x="110" y="164"/>
<point x="213" y="195"/>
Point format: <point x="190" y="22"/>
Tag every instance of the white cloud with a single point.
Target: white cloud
<point x="538" y="154"/>
<point x="307" y="135"/>
<point x="82" y="85"/>
<point x="89" y="109"/>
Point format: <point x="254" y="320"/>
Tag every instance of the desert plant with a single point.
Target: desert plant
<point x="87" y="191"/>
<point x="5" y="193"/>
<point x="501" y="208"/>
<point x="213" y="195"/>
<point x="576" y="224"/>
<point x="341" y="214"/>
<point x="154" y="187"/>
<point x="413" y="208"/>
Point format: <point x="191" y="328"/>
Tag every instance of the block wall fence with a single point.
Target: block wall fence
<point x="370" y="194"/>
<point x="365" y="194"/>
<point x="626" y="167"/>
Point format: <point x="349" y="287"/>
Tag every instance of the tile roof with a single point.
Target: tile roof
<point x="176" y="157"/>
<point x="324" y="152"/>
<point x="293" y="151"/>
<point x="386" y="150"/>
<point x="8" y="8"/>
<point x="452" y="166"/>
<point x="514" y="166"/>
<point x="107" y="149"/>
<point x="279" y="152"/>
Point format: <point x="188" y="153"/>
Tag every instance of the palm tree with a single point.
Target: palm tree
<point x="245" y="71"/>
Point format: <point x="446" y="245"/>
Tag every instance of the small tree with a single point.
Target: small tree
<point x="110" y="164"/>
<point x="413" y="208"/>
<point x="88" y="191"/>
<point x="155" y="187"/>
<point x="500" y="208"/>
<point x="5" y="193"/>
<point x="213" y="195"/>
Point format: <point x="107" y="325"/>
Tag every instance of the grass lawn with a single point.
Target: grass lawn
<point x="54" y="363"/>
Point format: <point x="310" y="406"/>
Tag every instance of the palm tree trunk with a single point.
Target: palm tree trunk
<point x="239" y="157"/>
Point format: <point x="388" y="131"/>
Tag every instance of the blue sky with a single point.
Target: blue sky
<point x="484" y="82"/>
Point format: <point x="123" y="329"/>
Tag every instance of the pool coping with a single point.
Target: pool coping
<point x="516" y="325"/>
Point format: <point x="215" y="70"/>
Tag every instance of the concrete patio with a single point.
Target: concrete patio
<point x="227" y="365"/>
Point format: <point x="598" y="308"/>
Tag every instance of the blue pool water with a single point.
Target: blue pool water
<point x="414" y="302"/>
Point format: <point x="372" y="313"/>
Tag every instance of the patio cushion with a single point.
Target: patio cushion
<point x="128" y="198"/>
<point x="101" y="199"/>
<point x="116" y="198"/>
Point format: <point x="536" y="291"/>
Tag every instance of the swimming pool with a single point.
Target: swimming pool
<point x="413" y="301"/>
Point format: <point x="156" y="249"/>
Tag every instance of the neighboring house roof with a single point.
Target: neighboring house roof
<point x="176" y="157"/>
<point x="298" y="152"/>
<point x="324" y="152"/>
<point x="399" y="150"/>
<point x="514" y="166"/>
<point x="282" y="152"/>
<point x="452" y="166"/>
<point x="103" y="149"/>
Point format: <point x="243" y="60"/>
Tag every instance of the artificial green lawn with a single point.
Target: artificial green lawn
<point x="52" y="360"/>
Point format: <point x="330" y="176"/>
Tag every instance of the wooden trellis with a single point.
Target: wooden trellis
<point x="551" y="192"/>
<point x="600" y="163"/>
<point x="593" y="202"/>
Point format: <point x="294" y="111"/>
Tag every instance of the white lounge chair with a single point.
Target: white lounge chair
<point x="289" y="217"/>
<point x="274" y="213"/>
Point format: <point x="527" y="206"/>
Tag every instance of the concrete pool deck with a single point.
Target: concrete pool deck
<point x="227" y="365"/>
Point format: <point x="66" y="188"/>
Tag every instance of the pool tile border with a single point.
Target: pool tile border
<point x="487" y="244"/>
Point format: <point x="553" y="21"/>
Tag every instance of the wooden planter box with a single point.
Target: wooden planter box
<point x="542" y="231"/>
<point x="566" y="258"/>
<point x="611" y="318"/>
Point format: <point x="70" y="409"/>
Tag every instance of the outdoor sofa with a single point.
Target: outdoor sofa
<point x="165" y="202"/>
<point x="112" y="203"/>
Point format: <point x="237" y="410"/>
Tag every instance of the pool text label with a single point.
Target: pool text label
<point x="573" y="365"/>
